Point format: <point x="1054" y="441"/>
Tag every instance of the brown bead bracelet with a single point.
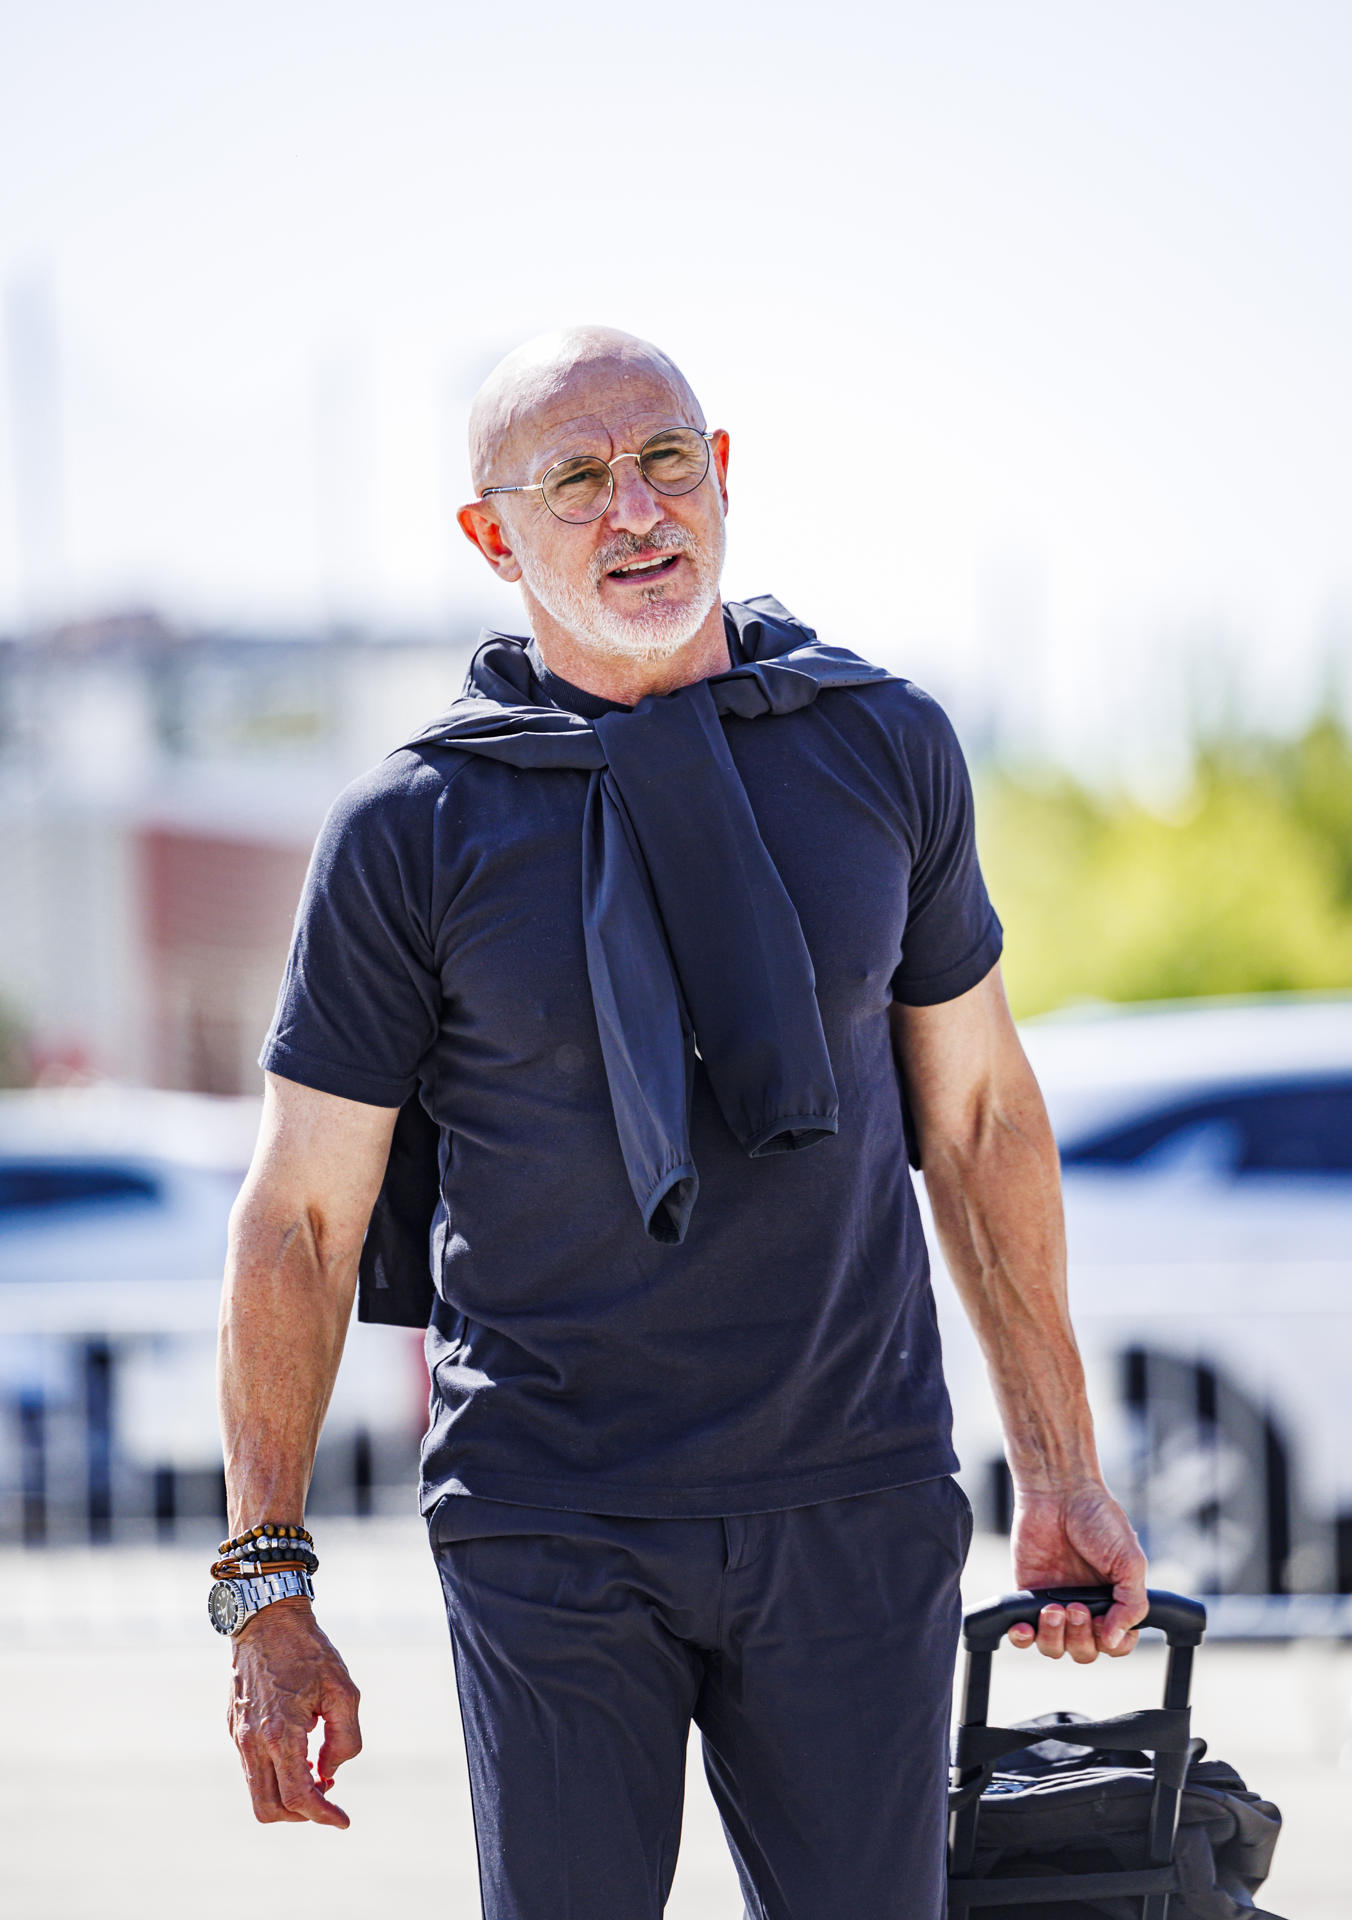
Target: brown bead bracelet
<point x="269" y="1532"/>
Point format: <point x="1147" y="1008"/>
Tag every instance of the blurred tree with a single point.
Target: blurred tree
<point x="15" y="1066"/>
<point x="1245" y="887"/>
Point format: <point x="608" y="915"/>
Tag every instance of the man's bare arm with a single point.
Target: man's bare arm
<point x="295" y="1237"/>
<point x="993" y="1179"/>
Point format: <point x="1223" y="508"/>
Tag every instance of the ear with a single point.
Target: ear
<point x="719" y="448"/>
<point x="482" y="527"/>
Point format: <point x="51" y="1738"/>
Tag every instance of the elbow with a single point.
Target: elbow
<point x="271" y="1232"/>
<point x="1000" y="1133"/>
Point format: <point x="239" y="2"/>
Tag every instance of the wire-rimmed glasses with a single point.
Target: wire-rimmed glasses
<point x="581" y="487"/>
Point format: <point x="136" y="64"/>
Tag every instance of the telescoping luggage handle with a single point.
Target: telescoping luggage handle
<point x="1163" y="1731"/>
<point x="1182" y="1621"/>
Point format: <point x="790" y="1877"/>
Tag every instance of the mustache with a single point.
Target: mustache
<point x="625" y="548"/>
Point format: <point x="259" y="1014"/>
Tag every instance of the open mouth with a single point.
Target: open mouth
<point x="655" y="567"/>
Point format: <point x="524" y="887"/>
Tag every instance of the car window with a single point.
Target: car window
<point x="1288" y="1127"/>
<point x="41" y="1186"/>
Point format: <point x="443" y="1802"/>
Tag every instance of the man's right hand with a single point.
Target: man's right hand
<point x="288" y="1676"/>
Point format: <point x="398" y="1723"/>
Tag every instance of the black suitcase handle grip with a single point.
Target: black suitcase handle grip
<point x="1182" y="1621"/>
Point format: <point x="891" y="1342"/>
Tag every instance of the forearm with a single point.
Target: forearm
<point x="996" y="1200"/>
<point x="994" y="1184"/>
<point x="284" y="1314"/>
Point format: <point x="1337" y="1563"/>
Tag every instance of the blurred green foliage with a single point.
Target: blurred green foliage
<point x="1244" y="886"/>
<point x="15" y="1069"/>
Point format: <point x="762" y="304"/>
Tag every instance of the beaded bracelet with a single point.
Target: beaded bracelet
<point x="266" y="1550"/>
<point x="267" y="1531"/>
<point x="263" y="1562"/>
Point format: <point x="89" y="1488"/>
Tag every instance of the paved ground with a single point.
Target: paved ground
<point x="121" y="1800"/>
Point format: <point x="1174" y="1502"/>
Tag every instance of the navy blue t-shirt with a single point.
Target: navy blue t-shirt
<point x="787" y="1351"/>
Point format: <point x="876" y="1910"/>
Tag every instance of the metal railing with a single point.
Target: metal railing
<point x="71" y="1472"/>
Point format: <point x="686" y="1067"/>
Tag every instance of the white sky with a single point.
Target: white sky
<point x="1029" y="320"/>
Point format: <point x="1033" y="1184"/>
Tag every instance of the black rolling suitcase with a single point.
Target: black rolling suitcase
<point x="1065" y="1818"/>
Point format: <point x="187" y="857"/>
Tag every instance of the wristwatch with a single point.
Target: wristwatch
<point x="232" y="1604"/>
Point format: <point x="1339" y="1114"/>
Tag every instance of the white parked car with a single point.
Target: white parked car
<point x="1207" y="1161"/>
<point x="1207" y="1156"/>
<point x="113" y="1210"/>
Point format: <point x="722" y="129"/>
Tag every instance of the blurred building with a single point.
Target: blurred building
<point x="159" y="796"/>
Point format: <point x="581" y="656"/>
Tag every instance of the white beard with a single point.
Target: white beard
<point x="656" y="627"/>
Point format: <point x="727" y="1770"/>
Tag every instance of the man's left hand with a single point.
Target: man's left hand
<point x="1079" y="1539"/>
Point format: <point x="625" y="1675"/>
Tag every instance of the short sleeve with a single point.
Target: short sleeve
<point x="952" y="937"/>
<point x="360" y="999"/>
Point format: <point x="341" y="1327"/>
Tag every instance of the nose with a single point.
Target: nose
<point x="634" y="507"/>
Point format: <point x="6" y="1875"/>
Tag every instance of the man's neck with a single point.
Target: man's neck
<point x="626" y="680"/>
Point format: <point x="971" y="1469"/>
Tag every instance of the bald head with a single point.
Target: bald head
<point x="554" y="373"/>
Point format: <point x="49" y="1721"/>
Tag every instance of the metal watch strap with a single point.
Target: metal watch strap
<point x="252" y="1592"/>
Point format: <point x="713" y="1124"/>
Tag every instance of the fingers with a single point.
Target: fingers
<point x="259" y="1774"/>
<point x="1081" y="1643"/>
<point x="274" y="1752"/>
<point x="1072" y="1630"/>
<point x="1049" y="1636"/>
<point x="301" y="1798"/>
<point x="342" y="1734"/>
<point x="1131" y="1602"/>
<point x="1117" y="1628"/>
<point x="1051" y="1632"/>
<point x="261" y="1778"/>
<point x="281" y="1785"/>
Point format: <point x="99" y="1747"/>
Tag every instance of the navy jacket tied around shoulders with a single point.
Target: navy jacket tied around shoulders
<point x="692" y="942"/>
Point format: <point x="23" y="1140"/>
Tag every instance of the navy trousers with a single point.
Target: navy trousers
<point x="813" y="1648"/>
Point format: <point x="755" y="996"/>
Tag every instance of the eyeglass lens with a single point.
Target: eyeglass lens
<point x="672" y="462"/>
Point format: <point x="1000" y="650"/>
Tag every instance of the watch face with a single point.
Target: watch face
<point x="225" y="1608"/>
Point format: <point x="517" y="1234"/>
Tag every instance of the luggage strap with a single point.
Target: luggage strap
<point x="1154" y="1729"/>
<point x="1061" y="1886"/>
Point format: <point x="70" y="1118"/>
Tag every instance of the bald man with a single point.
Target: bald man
<point x="663" y="948"/>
